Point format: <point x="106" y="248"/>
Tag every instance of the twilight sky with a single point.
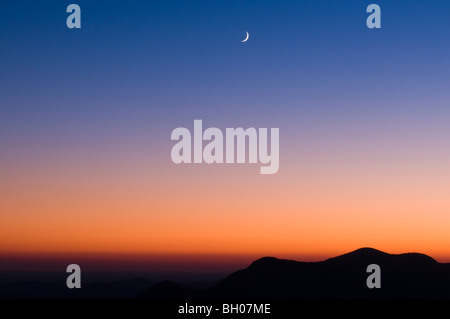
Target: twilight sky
<point x="86" y="117"/>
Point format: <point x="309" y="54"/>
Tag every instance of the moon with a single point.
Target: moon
<point x="246" y="38"/>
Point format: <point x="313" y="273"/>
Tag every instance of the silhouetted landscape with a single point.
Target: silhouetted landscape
<point x="409" y="275"/>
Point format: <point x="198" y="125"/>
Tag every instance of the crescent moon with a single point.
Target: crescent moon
<point x="246" y="38"/>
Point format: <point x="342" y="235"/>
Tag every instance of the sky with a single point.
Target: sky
<point x="86" y="117"/>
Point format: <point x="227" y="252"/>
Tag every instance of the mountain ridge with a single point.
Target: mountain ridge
<point x="406" y="275"/>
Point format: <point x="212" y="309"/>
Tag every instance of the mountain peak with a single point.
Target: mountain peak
<point x="360" y="254"/>
<point x="418" y="257"/>
<point x="263" y="262"/>
<point x="367" y="251"/>
<point x="367" y="254"/>
<point x="266" y="259"/>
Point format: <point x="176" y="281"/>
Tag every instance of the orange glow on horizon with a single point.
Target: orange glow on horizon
<point x="310" y="210"/>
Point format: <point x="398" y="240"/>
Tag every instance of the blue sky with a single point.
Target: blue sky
<point x="146" y="67"/>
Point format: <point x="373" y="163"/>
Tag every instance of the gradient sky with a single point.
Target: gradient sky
<point x="86" y="117"/>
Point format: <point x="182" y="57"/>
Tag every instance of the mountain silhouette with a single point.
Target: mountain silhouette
<point x="409" y="275"/>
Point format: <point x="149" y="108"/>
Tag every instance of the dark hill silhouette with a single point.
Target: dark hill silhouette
<point x="367" y="254"/>
<point x="170" y="290"/>
<point x="58" y="290"/>
<point x="409" y="275"/>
